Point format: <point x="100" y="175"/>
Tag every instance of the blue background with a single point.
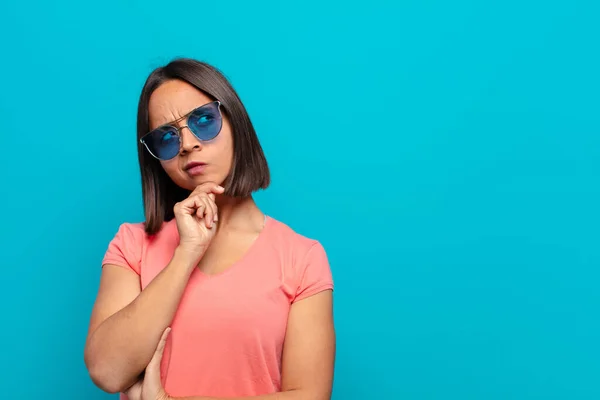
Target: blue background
<point x="445" y="153"/>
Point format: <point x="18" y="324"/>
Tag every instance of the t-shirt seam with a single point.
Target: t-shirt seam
<point x="315" y="290"/>
<point x="303" y="265"/>
<point x="119" y="264"/>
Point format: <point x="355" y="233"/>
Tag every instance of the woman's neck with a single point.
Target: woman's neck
<point x="238" y="213"/>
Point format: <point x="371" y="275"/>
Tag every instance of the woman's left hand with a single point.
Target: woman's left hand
<point x="150" y="387"/>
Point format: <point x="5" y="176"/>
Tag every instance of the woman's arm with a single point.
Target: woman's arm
<point x="308" y="355"/>
<point x="127" y="322"/>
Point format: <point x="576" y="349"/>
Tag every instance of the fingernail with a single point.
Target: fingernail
<point x="216" y="218"/>
<point x="221" y="187"/>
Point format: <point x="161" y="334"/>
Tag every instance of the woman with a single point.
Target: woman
<point x="247" y="301"/>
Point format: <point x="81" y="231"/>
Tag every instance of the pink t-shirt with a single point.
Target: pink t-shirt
<point x="228" y="332"/>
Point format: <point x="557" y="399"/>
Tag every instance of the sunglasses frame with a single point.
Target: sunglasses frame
<point x="178" y="129"/>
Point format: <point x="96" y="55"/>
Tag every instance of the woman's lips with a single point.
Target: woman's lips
<point x="195" y="168"/>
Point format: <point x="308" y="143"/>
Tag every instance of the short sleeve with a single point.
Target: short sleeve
<point x="314" y="274"/>
<point x="125" y="249"/>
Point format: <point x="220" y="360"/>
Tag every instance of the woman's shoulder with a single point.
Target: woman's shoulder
<point x="308" y="271"/>
<point x="130" y="242"/>
<point x="138" y="229"/>
<point x="278" y="232"/>
<point x="131" y="233"/>
<point x="135" y="226"/>
<point x="125" y="248"/>
<point x="286" y="235"/>
<point x="132" y="228"/>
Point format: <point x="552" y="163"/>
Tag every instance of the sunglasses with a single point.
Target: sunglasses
<point x="205" y="122"/>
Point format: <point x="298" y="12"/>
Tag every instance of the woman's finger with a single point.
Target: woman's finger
<point x="208" y="187"/>
<point x="215" y="209"/>
<point x="153" y="387"/>
<point x="208" y="212"/>
<point x="158" y="353"/>
<point x="189" y="206"/>
<point x="135" y="391"/>
<point x="200" y="206"/>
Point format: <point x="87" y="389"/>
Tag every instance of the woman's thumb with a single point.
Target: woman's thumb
<point x="153" y="368"/>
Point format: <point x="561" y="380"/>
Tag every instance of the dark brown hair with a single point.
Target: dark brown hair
<point x="249" y="170"/>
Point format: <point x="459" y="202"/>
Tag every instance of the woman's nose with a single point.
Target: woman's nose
<point x="189" y="142"/>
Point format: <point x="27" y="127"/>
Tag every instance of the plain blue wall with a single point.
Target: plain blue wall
<point x="445" y="153"/>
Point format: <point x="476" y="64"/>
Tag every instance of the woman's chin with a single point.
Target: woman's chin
<point x="191" y="181"/>
<point x="200" y="179"/>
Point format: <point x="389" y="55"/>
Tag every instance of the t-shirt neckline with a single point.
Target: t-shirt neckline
<point x="246" y="256"/>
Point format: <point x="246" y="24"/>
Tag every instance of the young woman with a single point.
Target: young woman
<point x="240" y="304"/>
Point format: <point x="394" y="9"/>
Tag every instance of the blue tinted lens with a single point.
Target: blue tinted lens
<point x="163" y="142"/>
<point x="205" y="122"/>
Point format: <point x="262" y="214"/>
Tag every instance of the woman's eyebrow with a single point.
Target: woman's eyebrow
<point x="180" y="118"/>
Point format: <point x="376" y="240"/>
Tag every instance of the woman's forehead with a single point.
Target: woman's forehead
<point x="172" y="100"/>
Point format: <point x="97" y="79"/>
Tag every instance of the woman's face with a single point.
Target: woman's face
<point x="171" y="101"/>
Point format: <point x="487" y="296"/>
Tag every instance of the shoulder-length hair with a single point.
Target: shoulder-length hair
<point x="249" y="170"/>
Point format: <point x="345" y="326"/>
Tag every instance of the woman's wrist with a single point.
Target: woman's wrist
<point x="187" y="257"/>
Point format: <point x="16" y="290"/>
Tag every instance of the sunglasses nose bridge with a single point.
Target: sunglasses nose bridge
<point x="189" y="141"/>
